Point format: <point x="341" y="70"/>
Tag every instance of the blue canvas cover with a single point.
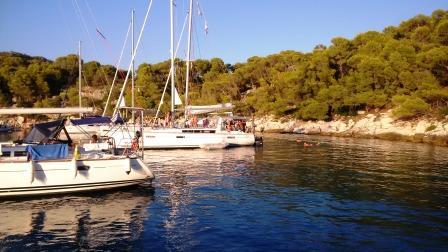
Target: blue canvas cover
<point x="91" y="120"/>
<point x="116" y="118"/>
<point x="47" y="151"/>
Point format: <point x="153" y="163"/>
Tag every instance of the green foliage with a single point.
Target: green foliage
<point x="431" y="127"/>
<point x="408" y="106"/>
<point x="441" y="32"/>
<point x="443" y="111"/>
<point x="314" y="110"/>
<point x="403" y="67"/>
<point x="36" y="81"/>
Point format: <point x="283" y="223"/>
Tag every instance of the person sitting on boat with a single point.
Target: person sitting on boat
<point x="236" y="125"/>
<point x="240" y="126"/>
<point x="94" y="139"/>
<point x="229" y="125"/>
<point x="205" y="122"/>
<point x="211" y="123"/>
<point x="158" y="122"/>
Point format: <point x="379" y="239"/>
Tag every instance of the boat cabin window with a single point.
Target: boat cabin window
<point x="13" y="154"/>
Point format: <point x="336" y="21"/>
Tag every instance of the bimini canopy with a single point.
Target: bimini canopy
<point x="47" y="132"/>
<point x="193" y="110"/>
<point x="91" y="120"/>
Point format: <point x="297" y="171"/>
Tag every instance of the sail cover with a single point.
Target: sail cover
<point x="91" y="120"/>
<point x="208" y="108"/>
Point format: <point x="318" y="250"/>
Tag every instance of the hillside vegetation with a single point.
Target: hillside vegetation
<point x="404" y="68"/>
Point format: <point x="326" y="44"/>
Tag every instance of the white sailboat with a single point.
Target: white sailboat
<point x="192" y="137"/>
<point x="44" y="163"/>
<point x="171" y="137"/>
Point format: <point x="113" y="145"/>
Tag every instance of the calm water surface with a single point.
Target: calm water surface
<point x="345" y="194"/>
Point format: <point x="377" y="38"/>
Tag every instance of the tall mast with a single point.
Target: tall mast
<point x="172" y="56"/>
<point x="120" y="97"/>
<point x="132" y="69"/>
<point x="80" y="75"/>
<point x="187" y="79"/>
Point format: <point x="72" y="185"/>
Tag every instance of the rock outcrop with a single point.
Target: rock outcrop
<point x="367" y="125"/>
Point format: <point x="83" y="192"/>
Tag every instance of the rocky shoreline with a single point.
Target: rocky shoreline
<point x="365" y="125"/>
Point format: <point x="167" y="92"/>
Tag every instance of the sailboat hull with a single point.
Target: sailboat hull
<point x="29" y="178"/>
<point x="185" y="138"/>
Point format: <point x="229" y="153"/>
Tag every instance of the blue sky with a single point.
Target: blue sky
<point x="238" y="29"/>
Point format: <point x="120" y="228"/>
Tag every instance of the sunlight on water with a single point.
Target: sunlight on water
<point x="345" y="194"/>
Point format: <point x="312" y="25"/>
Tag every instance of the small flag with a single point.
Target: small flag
<point x="199" y="9"/>
<point x="116" y="118"/>
<point x="206" y="28"/>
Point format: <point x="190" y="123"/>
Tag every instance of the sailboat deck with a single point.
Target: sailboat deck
<point x="24" y="159"/>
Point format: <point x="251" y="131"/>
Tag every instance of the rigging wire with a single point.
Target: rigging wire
<point x="202" y="14"/>
<point x="169" y="73"/>
<point x="132" y="58"/>
<point x="99" y="32"/>
<point x="64" y="17"/>
<point x="81" y="17"/>
<point x="68" y="30"/>
<point x="91" y="13"/>
<point x="87" y="85"/>
<point x="117" y="70"/>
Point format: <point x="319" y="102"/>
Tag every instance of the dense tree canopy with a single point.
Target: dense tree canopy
<point x="403" y="67"/>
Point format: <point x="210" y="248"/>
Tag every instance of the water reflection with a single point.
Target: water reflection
<point x="342" y="194"/>
<point x="361" y="169"/>
<point x="345" y="194"/>
<point x="182" y="175"/>
<point x="88" y="221"/>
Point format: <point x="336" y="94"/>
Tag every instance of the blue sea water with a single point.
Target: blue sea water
<point x="343" y="194"/>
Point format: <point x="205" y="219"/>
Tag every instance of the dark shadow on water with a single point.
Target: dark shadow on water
<point x="101" y="220"/>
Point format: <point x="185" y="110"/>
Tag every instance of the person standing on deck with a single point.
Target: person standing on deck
<point x="168" y="119"/>
<point x="194" y="121"/>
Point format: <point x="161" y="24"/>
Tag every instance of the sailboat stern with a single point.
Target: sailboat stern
<point x="138" y="164"/>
